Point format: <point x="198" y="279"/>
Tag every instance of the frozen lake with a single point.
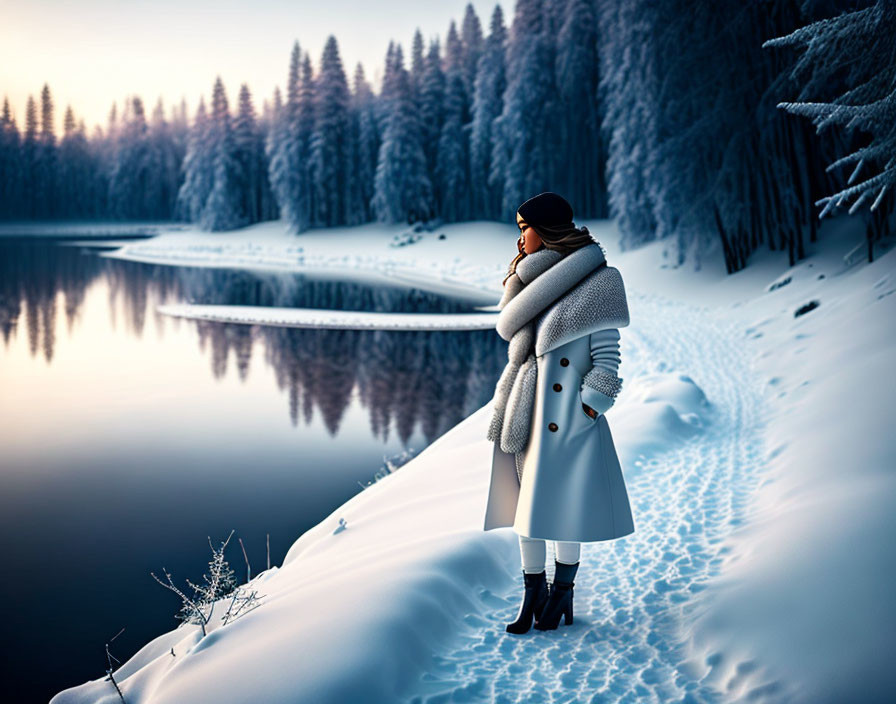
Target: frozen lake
<point x="129" y="437"/>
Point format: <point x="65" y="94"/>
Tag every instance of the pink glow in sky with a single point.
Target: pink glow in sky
<point x="96" y="52"/>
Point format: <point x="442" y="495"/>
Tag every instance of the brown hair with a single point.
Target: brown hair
<point x="561" y="238"/>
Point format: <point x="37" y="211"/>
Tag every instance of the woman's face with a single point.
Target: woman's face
<point x="531" y="241"/>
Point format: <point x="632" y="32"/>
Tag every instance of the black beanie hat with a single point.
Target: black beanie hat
<point x="549" y="209"/>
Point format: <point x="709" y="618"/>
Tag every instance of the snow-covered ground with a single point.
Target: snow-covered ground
<point x="757" y="455"/>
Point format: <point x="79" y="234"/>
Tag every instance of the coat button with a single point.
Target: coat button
<point x="564" y="362"/>
<point x="552" y="427"/>
<point x="557" y="387"/>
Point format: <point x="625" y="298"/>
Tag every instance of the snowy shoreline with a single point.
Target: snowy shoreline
<point x="364" y="254"/>
<point x="87" y="229"/>
<point x="737" y="595"/>
<point x="337" y="319"/>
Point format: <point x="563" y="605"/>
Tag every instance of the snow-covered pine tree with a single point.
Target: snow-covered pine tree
<point x="486" y="107"/>
<point x="288" y="143"/>
<point x="223" y="209"/>
<point x="582" y="178"/>
<point x="330" y="147"/>
<point x="366" y="144"/>
<point x="305" y="121"/>
<point x="267" y="205"/>
<point x="155" y="193"/>
<point x="30" y="183"/>
<point x="381" y="106"/>
<point x="417" y="65"/>
<point x="860" y="44"/>
<point x="432" y="97"/>
<point x="696" y="154"/>
<point x="787" y="175"/>
<point x="454" y="56"/>
<point x="402" y="189"/>
<point x="167" y="154"/>
<point x="249" y="148"/>
<point x="74" y="169"/>
<point x="528" y="122"/>
<point x="133" y="170"/>
<point x="628" y="80"/>
<point x="452" y="168"/>
<point x="452" y="163"/>
<point x="694" y="165"/>
<point x="197" y="168"/>
<point x="46" y="165"/>
<point x="472" y="42"/>
<point x="181" y="121"/>
<point x="104" y="152"/>
<point x="274" y="125"/>
<point x="97" y="185"/>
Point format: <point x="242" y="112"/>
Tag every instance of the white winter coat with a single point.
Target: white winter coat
<point x="571" y="486"/>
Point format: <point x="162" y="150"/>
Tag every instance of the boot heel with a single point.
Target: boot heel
<point x="535" y="596"/>
<point x="560" y="599"/>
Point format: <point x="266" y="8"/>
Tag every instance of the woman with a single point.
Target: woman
<point x="555" y="472"/>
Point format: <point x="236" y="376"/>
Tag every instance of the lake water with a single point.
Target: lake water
<point x="128" y="438"/>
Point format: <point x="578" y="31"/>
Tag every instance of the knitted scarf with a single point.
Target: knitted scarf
<point x="550" y="300"/>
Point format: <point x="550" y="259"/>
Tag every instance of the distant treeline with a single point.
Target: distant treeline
<point x="666" y="116"/>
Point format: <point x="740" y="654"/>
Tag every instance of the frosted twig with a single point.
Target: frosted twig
<point x="109" y="658"/>
<point x="219" y="581"/>
<point x="247" y="601"/>
<point x="247" y="604"/>
<point x="189" y="604"/>
<point x="246" y="557"/>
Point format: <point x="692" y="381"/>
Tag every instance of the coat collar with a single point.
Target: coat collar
<point x="550" y="275"/>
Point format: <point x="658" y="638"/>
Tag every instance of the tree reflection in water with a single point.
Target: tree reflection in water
<point x="436" y="378"/>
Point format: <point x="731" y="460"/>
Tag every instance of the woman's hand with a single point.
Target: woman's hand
<point x="589" y="410"/>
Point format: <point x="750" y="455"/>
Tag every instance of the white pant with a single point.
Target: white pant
<point x="533" y="552"/>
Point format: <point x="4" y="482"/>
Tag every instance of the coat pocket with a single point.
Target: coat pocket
<point x="582" y="411"/>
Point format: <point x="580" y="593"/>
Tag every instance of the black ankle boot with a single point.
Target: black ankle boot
<point x="534" y="599"/>
<point x="560" y="600"/>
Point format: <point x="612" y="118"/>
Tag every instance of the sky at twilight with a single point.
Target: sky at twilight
<point x="96" y="52"/>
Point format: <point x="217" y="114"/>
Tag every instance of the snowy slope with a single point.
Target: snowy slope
<point x="759" y="466"/>
<point x="356" y="614"/>
<point x="806" y="593"/>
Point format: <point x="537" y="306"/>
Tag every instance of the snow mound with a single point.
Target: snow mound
<point x="660" y="411"/>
